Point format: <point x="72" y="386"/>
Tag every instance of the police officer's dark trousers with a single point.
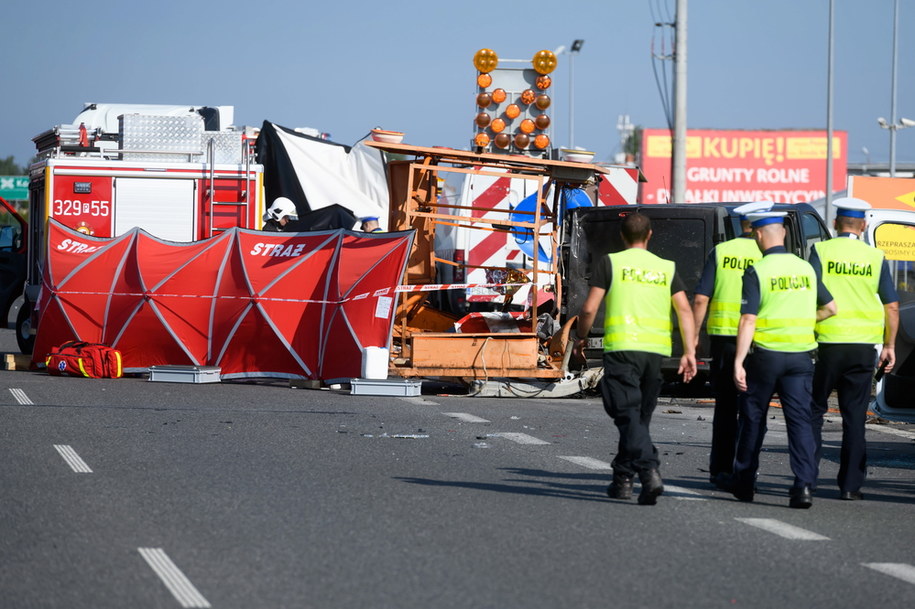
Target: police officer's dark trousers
<point x="630" y="387"/>
<point x="791" y="375"/>
<point x="847" y="368"/>
<point x="724" y="425"/>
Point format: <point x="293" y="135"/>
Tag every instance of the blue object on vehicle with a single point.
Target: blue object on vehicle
<point x="524" y="237"/>
<point x="570" y="198"/>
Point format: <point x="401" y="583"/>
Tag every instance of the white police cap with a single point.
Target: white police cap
<point x="851" y="207"/>
<point x="762" y="218"/>
<point x="749" y="208"/>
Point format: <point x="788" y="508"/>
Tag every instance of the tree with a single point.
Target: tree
<point x="8" y="167"/>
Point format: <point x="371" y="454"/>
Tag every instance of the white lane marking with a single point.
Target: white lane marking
<point x="896" y="432"/>
<point x="176" y="582"/>
<point x="419" y="400"/>
<point x="463" y="416"/>
<point x="73" y="460"/>
<point x="589" y="462"/>
<point x="681" y="493"/>
<point x="520" y="438"/>
<point x="783" y="529"/>
<point x="895" y="569"/>
<point x="20" y="396"/>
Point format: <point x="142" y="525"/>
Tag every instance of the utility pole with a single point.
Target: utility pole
<point x="678" y="160"/>
<point x="829" y="88"/>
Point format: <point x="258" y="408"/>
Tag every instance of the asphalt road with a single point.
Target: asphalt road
<point x="129" y="493"/>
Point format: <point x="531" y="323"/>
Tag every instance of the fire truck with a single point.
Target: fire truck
<point x="181" y="173"/>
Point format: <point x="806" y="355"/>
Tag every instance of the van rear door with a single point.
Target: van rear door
<point x="894" y="233"/>
<point x="684" y="234"/>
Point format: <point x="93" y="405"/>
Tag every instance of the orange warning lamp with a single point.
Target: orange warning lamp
<point x="544" y="62"/>
<point x="486" y="60"/>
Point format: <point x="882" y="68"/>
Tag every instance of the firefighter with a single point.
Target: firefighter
<point x="781" y="302"/>
<point x="858" y="276"/>
<point x="280" y="213"/>
<point x="718" y="291"/>
<point x="637" y="289"/>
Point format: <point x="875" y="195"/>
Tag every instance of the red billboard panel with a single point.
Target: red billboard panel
<point x="740" y="165"/>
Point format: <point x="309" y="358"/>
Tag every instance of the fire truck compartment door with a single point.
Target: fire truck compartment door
<point x="164" y="207"/>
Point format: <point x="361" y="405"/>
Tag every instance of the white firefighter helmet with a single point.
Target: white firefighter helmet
<point x="281" y="207"/>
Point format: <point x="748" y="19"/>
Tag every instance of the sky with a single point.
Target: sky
<point x="344" y="67"/>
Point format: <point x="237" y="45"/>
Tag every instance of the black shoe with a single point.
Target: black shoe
<point x="851" y="496"/>
<point x="721" y="481"/>
<point x="652" y="487"/>
<point x="800" y="498"/>
<point x="741" y="493"/>
<point x="620" y="488"/>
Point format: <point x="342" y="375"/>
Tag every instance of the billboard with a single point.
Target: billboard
<point x="886" y="193"/>
<point x="787" y="166"/>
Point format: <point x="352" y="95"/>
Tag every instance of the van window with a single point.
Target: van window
<point x="898" y="244"/>
<point x="813" y="231"/>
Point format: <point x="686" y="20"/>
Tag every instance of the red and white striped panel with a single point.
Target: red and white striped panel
<point x="620" y="186"/>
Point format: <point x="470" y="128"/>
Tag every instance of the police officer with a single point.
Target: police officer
<point x="637" y="289"/>
<point x="718" y="292"/>
<point x="782" y="301"/>
<point x="370" y="225"/>
<point x="859" y="278"/>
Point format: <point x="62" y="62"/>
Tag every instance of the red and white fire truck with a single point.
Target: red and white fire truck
<point x="182" y="173"/>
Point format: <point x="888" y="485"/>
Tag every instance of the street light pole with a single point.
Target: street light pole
<point x="893" y="101"/>
<point x="576" y="47"/>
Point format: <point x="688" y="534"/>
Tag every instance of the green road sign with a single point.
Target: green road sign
<point x="14" y="188"/>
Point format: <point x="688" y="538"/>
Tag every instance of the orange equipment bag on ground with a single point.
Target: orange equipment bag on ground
<point x="78" y="358"/>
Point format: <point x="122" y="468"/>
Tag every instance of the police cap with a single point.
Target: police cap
<point x="851" y="207"/>
<point x="762" y="218"/>
<point x="749" y="208"/>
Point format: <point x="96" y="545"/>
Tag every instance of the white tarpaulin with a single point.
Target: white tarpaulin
<point x="316" y="173"/>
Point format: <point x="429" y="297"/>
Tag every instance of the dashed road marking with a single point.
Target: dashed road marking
<point x="176" y="582"/>
<point x="467" y="418"/>
<point x="894" y="569"/>
<point x="73" y="460"/>
<point x="419" y="400"/>
<point x="589" y="462"/>
<point x="681" y="493"/>
<point x="20" y="396"/>
<point x="520" y="438"/>
<point x="783" y="529"/>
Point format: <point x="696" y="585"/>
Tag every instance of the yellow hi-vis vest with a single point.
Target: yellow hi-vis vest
<point x="731" y="259"/>
<point x="788" y="304"/>
<point x="637" y="306"/>
<point x="851" y="272"/>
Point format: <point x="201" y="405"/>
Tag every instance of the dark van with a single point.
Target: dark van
<point x="685" y="233"/>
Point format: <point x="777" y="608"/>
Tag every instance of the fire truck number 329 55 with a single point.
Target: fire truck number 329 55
<point x="75" y="207"/>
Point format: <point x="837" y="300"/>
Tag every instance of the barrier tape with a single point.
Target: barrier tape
<point x="429" y="287"/>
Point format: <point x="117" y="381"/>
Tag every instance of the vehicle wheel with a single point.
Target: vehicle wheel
<point x="24" y="335"/>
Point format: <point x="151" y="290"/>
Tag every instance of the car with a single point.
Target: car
<point x="685" y="233"/>
<point x="13" y="231"/>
